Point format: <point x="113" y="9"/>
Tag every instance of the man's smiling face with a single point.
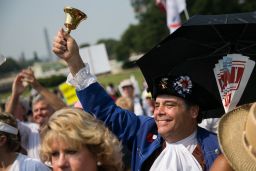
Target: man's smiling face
<point x="174" y="119"/>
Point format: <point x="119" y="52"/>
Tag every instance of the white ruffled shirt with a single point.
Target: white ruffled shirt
<point x="82" y="79"/>
<point x="178" y="156"/>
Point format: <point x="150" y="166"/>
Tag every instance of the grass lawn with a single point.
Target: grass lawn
<point x="104" y="79"/>
<point x="117" y="78"/>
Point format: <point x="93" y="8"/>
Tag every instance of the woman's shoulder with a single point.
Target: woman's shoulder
<point x="31" y="164"/>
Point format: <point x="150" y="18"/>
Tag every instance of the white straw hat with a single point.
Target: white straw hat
<point x="237" y="137"/>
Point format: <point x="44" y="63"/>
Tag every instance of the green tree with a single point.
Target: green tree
<point x="140" y="38"/>
<point x="152" y="28"/>
<point x="111" y="45"/>
<point x="248" y="5"/>
<point x="9" y="66"/>
<point x="219" y="6"/>
<point x="84" y="45"/>
<point x="123" y="52"/>
<point x="140" y="6"/>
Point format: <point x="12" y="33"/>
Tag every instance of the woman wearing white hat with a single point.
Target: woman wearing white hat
<point x="10" y="159"/>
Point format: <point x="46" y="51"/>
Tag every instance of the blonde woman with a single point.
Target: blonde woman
<point x="76" y="141"/>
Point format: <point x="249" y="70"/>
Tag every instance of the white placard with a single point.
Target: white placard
<point x="97" y="58"/>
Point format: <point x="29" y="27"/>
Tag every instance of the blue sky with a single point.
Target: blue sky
<point x="23" y="22"/>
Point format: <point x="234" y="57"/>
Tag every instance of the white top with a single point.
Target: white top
<point x="30" y="138"/>
<point x="178" y="156"/>
<point x="211" y="124"/>
<point x="138" y="109"/>
<point x="24" y="163"/>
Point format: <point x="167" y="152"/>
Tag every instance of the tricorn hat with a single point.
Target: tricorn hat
<point x="184" y="87"/>
<point x="237" y="137"/>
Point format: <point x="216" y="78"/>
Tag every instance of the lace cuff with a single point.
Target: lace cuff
<point x="82" y="79"/>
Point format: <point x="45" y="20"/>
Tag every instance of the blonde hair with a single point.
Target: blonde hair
<point x="78" y="129"/>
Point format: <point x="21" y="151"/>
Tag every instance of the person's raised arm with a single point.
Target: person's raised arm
<point x="67" y="49"/>
<point x="17" y="89"/>
<point x="54" y="101"/>
<point x="91" y="94"/>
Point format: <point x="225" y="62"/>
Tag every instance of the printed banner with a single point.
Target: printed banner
<point x="69" y="93"/>
<point x="232" y="74"/>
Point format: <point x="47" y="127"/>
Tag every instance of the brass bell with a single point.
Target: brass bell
<point x="73" y="18"/>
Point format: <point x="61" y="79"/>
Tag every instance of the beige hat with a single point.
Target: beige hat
<point x="237" y="137"/>
<point x="126" y="82"/>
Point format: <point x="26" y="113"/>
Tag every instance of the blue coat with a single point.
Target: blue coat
<point x="139" y="133"/>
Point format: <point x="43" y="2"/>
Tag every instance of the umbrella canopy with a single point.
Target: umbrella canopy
<point x="199" y="46"/>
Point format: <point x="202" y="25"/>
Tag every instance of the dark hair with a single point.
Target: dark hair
<point x="111" y="85"/>
<point x="190" y="104"/>
<point x="13" y="141"/>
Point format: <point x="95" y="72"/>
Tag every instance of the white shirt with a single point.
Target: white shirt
<point x="211" y="124"/>
<point x="178" y="156"/>
<point x="24" y="163"/>
<point x="138" y="109"/>
<point x="30" y="138"/>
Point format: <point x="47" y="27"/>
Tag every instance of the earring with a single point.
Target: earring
<point x="99" y="163"/>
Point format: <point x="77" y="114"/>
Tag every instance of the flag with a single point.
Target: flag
<point x="173" y="15"/>
<point x="181" y="4"/>
<point x="161" y="4"/>
<point x="173" y="9"/>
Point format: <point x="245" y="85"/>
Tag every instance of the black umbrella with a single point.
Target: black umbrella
<point x="198" y="45"/>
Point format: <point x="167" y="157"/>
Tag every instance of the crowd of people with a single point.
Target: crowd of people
<point x="117" y="128"/>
